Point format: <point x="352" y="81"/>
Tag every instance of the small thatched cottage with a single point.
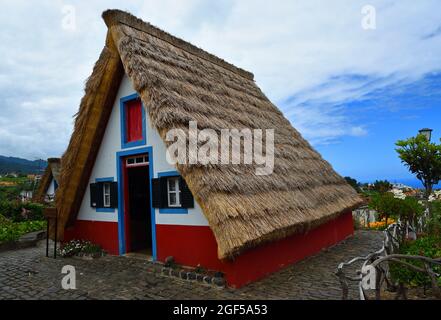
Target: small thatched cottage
<point x="118" y="190"/>
<point x="49" y="182"/>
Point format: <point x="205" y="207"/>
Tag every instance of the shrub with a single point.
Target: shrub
<point x="429" y="246"/>
<point x="4" y="221"/>
<point x="35" y="210"/>
<point x="434" y="222"/>
<point x="10" y="209"/>
<point x="382" y="186"/>
<point x="80" y="248"/>
<point x="17" y="211"/>
<point x="381" y="225"/>
<point x="407" y="210"/>
<point x="12" y="231"/>
<point x="385" y="204"/>
<point x="353" y="183"/>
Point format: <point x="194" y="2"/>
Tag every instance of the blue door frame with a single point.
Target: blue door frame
<point x="120" y="172"/>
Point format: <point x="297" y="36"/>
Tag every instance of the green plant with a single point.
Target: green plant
<point x="12" y="231"/>
<point x="409" y="210"/>
<point x="354" y="183"/>
<point x="429" y="246"/>
<point x="434" y="221"/>
<point x="4" y="221"/>
<point x="80" y="248"/>
<point x="200" y="269"/>
<point x="385" y="204"/>
<point x="382" y="186"/>
<point x="10" y="209"/>
<point x="35" y="210"/>
<point x="17" y="211"/>
<point x="92" y="249"/>
<point x="423" y="159"/>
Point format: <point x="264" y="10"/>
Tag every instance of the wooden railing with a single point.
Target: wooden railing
<point x="374" y="273"/>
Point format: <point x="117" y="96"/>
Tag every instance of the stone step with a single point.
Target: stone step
<point x="33" y="236"/>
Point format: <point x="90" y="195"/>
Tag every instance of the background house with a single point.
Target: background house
<point x="49" y="182"/>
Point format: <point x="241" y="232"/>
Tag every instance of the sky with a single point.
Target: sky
<point x="351" y="81"/>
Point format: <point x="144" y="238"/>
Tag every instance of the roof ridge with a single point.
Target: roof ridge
<point x="114" y="16"/>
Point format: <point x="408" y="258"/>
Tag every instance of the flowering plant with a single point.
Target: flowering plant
<point x="80" y="248"/>
<point x="381" y="225"/>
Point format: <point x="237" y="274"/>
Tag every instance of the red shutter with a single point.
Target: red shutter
<point x="133" y="120"/>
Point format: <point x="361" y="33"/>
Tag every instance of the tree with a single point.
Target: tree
<point x="409" y="210"/>
<point x="423" y="159"/>
<point x="434" y="223"/>
<point x="354" y="183"/>
<point x="385" y="204"/>
<point x="382" y="186"/>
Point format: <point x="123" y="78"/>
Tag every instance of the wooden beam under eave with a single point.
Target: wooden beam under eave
<point x="101" y="109"/>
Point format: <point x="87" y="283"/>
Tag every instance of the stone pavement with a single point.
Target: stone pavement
<point x="27" y="274"/>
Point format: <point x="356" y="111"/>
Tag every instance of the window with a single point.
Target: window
<point x="173" y="192"/>
<point x="170" y="193"/>
<point x="133" y="122"/>
<point x="106" y="194"/>
<point x="137" y="161"/>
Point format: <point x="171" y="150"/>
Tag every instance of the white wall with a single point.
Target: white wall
<point x="51" y="189"/>
<point x="105" y="167"/>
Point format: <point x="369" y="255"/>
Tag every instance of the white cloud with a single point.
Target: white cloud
<point x="358" y="131"/>
<point x="310" y="57"/>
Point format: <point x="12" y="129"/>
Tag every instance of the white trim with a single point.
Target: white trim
<point x="106" y="195"/>
<point x="137" y="161"/>
<point x="177" y="192"/>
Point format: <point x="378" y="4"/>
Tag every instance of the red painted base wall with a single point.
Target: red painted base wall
<point x="103" y="233"/>
<point x="193" y="245"/>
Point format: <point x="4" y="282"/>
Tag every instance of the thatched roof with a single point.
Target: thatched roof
<point x="179" y="82"/>
<point x="52" y="172"/>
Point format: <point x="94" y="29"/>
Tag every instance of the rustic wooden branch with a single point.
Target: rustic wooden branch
<point x="433" y="280"/>
<point x="378" y="283"/>
<point x="408" y="257"/>
<point x="386" y="254"/>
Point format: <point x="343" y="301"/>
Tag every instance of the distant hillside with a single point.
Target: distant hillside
<point x="18" y="165"/>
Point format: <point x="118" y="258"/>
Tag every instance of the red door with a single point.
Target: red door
<point x="137" y="213"/>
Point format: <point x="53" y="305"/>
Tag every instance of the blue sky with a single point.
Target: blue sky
<point x="351" y="92"/>
<point x="392" y="113"/>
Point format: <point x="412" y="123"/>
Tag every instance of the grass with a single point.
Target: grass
<point x="17" y="180"/>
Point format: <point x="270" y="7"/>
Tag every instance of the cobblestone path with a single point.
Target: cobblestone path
<point x="27" y="274"/>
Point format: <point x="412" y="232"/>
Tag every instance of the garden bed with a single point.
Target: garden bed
<point x="13" y="234"/>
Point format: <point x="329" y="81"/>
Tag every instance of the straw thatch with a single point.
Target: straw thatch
<point x="179" y="83"/>
<point x="52" y="172"/>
